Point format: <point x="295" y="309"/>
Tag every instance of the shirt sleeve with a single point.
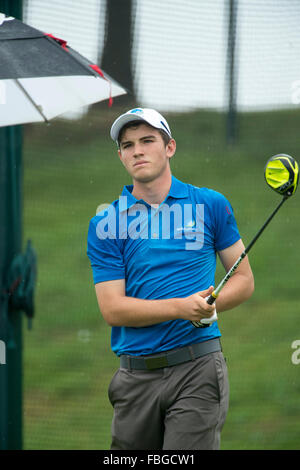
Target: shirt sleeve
<point x="105" y="256"/>
<point x="226" y="230"/>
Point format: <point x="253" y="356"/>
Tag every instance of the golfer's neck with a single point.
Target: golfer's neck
<point x="153" y="192"/>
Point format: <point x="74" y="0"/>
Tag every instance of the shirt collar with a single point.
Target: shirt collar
<point x="127" y="200"/>
<point x="178" y="190"/>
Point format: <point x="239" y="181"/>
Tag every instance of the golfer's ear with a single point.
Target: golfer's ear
<point x="171" y="148"/>
<point x="120" y="155"/>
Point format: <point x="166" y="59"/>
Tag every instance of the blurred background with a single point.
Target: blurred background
<point x="226" y="75"/>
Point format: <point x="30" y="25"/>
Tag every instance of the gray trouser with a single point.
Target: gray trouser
<point x="173" y="408"/>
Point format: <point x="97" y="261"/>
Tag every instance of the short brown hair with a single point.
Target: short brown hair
<point x="166" y="138"/>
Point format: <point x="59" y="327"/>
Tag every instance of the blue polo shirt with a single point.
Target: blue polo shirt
<point x="162" y="253"/>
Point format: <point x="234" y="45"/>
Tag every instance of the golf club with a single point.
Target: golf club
<point x="282" y="175"/>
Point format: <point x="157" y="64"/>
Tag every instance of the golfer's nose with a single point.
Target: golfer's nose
<point x="138" y="150"/>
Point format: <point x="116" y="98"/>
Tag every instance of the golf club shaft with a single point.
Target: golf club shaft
<point x="212" y="298"/>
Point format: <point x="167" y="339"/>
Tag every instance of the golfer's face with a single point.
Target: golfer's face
<point x="144" y="154"/>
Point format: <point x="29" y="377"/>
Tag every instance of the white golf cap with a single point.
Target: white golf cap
<point x="148" y="115"/>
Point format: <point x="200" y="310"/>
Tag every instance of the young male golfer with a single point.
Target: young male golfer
<point x="153" y="255"/>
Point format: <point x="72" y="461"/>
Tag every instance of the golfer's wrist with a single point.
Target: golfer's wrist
<point x="179" y="309"/>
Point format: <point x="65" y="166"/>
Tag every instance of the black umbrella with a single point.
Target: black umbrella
<point x="42" y="77"/>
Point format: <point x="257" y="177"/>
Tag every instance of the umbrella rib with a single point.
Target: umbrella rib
<point x="37" y="107"/>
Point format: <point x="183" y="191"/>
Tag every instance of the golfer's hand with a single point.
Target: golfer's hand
<point x="198" y="310"/>
<point x="206" y="321"/>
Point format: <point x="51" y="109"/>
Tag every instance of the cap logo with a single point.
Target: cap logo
<point x="136" y="111"/>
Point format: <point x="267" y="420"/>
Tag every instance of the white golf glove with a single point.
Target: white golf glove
<point x="204" y="322"/>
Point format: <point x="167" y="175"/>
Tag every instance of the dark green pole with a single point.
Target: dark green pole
<point x="10" y="244"/>
<point x="232" y="6"/>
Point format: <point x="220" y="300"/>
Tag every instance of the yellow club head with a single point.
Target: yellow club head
<point x="282" y="174"/>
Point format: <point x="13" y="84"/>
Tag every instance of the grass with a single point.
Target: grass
<point x="71" y="168"/>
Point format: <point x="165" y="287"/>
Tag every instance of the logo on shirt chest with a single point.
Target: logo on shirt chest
<point x="190" y="226"/>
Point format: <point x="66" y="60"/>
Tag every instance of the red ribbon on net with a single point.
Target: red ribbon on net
<point x="95" y="67"/>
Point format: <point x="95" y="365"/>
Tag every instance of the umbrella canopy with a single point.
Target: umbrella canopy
<point x="41" y="77"/>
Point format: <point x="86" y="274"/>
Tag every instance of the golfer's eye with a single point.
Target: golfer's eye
<point x="126" y="146"/>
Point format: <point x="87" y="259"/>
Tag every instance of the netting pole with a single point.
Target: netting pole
<point x="10" y="244"/>
<point x="117" y="51"/>
<point x="232" y="72"/>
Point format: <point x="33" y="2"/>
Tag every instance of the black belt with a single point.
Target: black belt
<point x="171" y="358"/>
